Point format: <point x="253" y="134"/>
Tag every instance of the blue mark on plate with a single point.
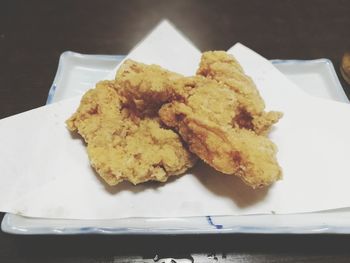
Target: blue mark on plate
<point x="51" y="94"/>
<point x="210" y="221"/>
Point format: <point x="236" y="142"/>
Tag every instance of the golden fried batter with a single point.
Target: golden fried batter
<point x="204" y="121"/>
<point x="222" y="124"/>
<point x="224" y="68"/>
<point x="121" y="145"/>
<point x="147" y="87"/>
<point x="144" y="87"/>
<point x="218" y="113"/>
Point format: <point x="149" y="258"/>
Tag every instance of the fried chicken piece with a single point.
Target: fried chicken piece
<point x="145" y="87"/>
<point x="224" y="68"/>
<point x="204" y="121"/>
<point x="123" y="146"/>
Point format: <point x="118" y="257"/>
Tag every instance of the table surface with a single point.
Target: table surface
<point x="33" y="34"/>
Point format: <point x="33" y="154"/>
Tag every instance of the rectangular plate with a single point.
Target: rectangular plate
<point x="77" y="73"/>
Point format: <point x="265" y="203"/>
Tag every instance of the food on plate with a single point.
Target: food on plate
<point x="131" y="124"/>
<point x="145" y="87"/>
<point x="225" y="69"/>
<point x="219" y="114"/>
<point x="122" y="145"/>
<point x="204" y="117"/>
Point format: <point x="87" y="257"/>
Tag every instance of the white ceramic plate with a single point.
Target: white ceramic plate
<point x="77" y="73"/>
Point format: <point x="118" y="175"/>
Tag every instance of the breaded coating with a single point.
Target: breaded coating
<point x="144" y="87"/>
<point x="147" y="87"/>
<point x="123" y="146"/>
<point x="204" y="121"/>
<point x="215" y="120"/>
<point x="224" y="68"/>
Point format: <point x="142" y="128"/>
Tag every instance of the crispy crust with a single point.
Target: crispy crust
<point x="229" y="150"/>
<point x="219" y="114"/>
<point x="122" y="146"/>
<point x="224" y="68"/>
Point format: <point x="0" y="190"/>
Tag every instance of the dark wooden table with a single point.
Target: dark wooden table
<point x="33" y="34"/>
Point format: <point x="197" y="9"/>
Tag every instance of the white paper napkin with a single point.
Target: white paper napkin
<point x="45" y="170"/>
<point x="167" y="47"/>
